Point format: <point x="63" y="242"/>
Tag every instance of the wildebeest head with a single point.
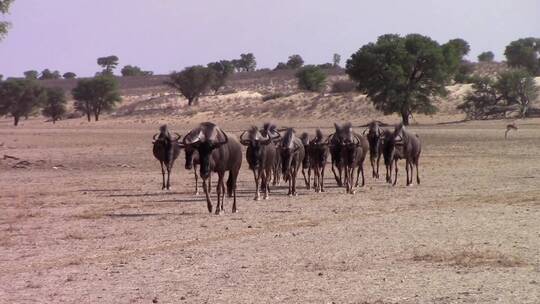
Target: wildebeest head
<point x="373" y="129"/>
<point x="387" y="142"/>
<point x="349" y="142"/>
<point x="318" y="145"/>
<point x="256" y="143"/>
<point x="271" y="131"/>
<point x="288" y="149"/>
<point x="205" y="139"/>
<point x="189" y="151"/>
<point x="399" y="136"/>
<point x="165" y="136"/>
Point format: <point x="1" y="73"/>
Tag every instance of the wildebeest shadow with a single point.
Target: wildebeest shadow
<point x="135" y="215"/>
<point x="105" y="190"/>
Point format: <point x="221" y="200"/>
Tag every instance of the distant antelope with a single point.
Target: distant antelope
<point x="510" y="127"/>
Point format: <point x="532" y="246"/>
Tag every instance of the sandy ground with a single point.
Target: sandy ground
<point x="84" y="221"/>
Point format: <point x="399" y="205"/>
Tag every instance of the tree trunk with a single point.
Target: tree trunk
<point x="16" y="120"/>
<point x="88" y="115"/>
<point x="96" y="116"/>
<point x="190" y="102"/>
<point x="405" y="117"/>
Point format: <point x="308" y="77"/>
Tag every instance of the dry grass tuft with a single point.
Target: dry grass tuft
<point x="74" y="236"/>
<point x="91" y="215"/>
<point x="470" y="257"/>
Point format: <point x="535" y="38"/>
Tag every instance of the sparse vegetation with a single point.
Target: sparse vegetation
<point x="469" y="257"/>
<point x="336" y="59"/>
<point x="273" y="96"/>
<point x="191" y="82"/>
<point x="96" y="95"/>
<point x="48" y="74"/>
<point x="54" y="105"/>
<point x="31" y="75"/>
<point x="401" y="74"/>
<point x="311" y="78"/>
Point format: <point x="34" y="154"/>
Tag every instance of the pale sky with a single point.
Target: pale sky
<point x="167" y="35"/>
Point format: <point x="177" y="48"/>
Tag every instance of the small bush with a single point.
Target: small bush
<point x="343" y="86"/>
<point x="311" y="78"/>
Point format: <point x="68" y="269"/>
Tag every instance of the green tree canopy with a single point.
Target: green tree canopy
<point x="295" y="62"/>
<point x="281" y="66"/>
<point x="4" y="9"/>
<point x="524" y="53"/>
<point x="48" y="74"/>
<point x="108" y="64"/>
<point x="454" y="51"/>
<point x="130" y="70"/>
<point x="486" y="56"/>
<point x="191" y="82"/>
<point x="69" y="75"/>
<point x="311" y="78"/>
<point x="19" y="98"/>
<point x="54" y="104"/>
<point x="247" y="62"/>
<point x="221" y="70"/>
<point x="31" y="75"/>
<point x="401" y="74"/>
<point x="96" y="95"/>
<point x="517" y="86"/>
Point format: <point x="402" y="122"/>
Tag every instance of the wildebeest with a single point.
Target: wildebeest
<point x="218" y="152"/>
<point x="318" y="154"/>
<point x="166" y="149"/>
<point x="335" y="152"/>
<point x="192" y="162"/>
<point x="270" y="130"/>
<point x="412" y="148"/>
<point x="304" y="137"/>
<point x="354" y="148"/>
<point x="374" y="132"/>
<point x="391" y="152"/>
<point x="292" y="154"/>
<point x="510" y="127"/>
<point x="260" y="155"/>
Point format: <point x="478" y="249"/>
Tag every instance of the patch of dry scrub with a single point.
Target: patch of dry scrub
<point x="469" y="257"/>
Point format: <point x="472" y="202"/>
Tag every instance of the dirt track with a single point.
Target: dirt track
<point x="85" y="221"/>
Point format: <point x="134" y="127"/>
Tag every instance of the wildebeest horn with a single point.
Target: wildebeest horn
<point x="155" y="135"/>
<point x="243" y="141"/>
<point x="278" y="136"/>
<point x="178" y="136"/>
<point x="218" y="144"/>
<point x="357" y="140"/>
<point x="364" y="133"/>
<point x="190" y="142"/>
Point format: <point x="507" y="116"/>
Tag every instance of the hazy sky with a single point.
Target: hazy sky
<point x="166" y="35"/>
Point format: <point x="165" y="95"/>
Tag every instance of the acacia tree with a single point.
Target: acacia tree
<point x="47" y="74"/>
<point x="4" y="9"/>
<point x="400" y="74"/>
<point x="486" y="56"/>
<point x="247" y="62"/>
<point x="517" y="87"/>
<point x="69" y="75"/>
<point x="108" y="64"/>
<point x="191" y="82"/>
<point x="96" y="95"/>
<point x="130" y="70"/>
<point x="31" y="75"/>
<point x="19" y="98"/>
<point x="221" y="70"/>
<point x="54" y="104"/>
<point x="295" y="62"/>
<point x="524" y="53"/>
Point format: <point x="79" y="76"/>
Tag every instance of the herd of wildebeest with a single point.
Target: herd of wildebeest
<point x="274" y="154"/>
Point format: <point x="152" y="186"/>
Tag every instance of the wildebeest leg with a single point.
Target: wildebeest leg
<point x="407" y="165"/>
<point x="378" y="161"/>
<point x="289" y="181"/>
<point x="220" y="193"/>
<point x="293" y="177"/>
<point x="266" y="181"/>
<point x="233" y="185"/>
<point x="338" y="178"/>
<point x="196" y="181"/>
<point x="372" y="160"/>
<point x="395" y="178"/>
<point x="208" y="201"/>
<point x="168" y="177"/>
<point x="256" y="176"/>
<point x="417" y="174"/>
<point x="305" y="178"/>
<point x="321" y="181"/>
<point x="363" y="178"/>
<point x="162" y="175"/>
